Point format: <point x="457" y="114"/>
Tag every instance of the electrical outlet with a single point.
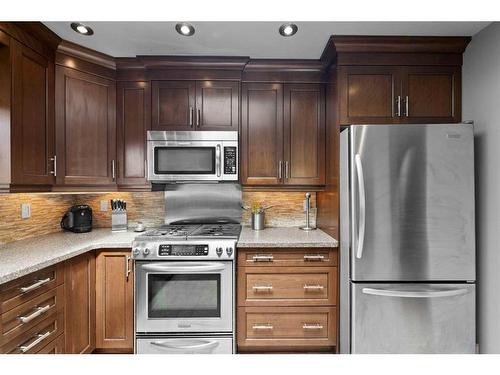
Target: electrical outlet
<point x="104" y="205"/>
<point x="25" y="210"/>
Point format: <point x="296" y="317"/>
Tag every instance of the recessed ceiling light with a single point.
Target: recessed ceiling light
<point x="184" y="28"/>
<point x="80" y="28"/>
<point x="288" y="29"/>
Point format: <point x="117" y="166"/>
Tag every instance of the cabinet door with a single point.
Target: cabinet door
<point x="32" y="117"/>
<point x="173" y="105"/>
<point x="217" y="105"/>
<point x="261" y="134"/>
<point x="85" y="129"/>
<point x="114" y="301"/>
<point x="80" y="304"/>
<point x="431" y="94"/>
<point x="304" y="146"/>
<point x="369" y="94"/>
<point x="133" y="106"/>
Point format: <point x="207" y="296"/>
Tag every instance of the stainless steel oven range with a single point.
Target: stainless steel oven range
<point x="184" y="289"/>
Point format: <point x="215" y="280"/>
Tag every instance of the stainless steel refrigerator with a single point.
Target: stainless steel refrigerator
<point x="407" y="239"/>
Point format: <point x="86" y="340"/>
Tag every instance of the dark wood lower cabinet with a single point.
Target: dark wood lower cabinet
<point x="80" y="304"/>
<point x="114" y="301"/>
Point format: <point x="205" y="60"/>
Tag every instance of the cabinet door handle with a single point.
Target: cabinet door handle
<point x="263" y="327"/>
<point x="113" y="170"/>
<point x="314" y="257"/>
<point x="286" y="170"/>
<point x="191" y="109"/>
<point x="198" y="117"/>
<point x="39" y="339"/>
<point x="280" y="170"/>
<point x="38" y="284"/>
<point x="262" y="288"/>
<point x="314" y="288"/>
<point x="127" y="267"/>
<point x="314" y="326"/>
<point x="54" y="171"/>
<point x="407" y="105"/>
<point x="398" y="106"/>
<point x="262" y="258"/>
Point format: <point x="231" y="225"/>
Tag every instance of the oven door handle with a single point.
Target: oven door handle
<point x="161" y="267"/>
<point x="203" y="346"/>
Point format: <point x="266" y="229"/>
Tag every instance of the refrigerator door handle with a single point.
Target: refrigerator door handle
<point x="362" y="206"/>
<point x="415" y="294"/>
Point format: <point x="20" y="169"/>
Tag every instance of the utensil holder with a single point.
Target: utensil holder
<point x="258" y="220"/>
<point x="119" y="221"/>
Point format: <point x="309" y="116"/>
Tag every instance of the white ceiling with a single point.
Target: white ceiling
<point x="253" y="39"/>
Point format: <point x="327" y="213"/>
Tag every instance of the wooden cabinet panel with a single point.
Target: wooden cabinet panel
<point x="133" y="121"/>
<point x="310" y="257"/>
<point x="85" y="128"/>
<point x="368" y="94"/>
<point x="286" y="328"/>
<point x="304" y="124"/>
<point x="261" y="134"/>
<point x="56" y="346"/>
<point x="173" y="105"/>
<point x="114" y="301"/>
<point x="286" y="286"/>
<point x="80" y="304"/>
<point x="217" y="105"/>
<point x="431" y="94"/>
<point x="32" y="129"/>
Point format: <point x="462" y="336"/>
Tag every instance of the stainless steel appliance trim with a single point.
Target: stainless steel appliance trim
<point x="362" y="206"/>
<point x="185" y="344"/>
<point x="415" y="294"/>
<point x="203" y="345"/>
<point x="156" y="135"/>
<point x="218" y="160"/>
<point x="39" y="311"/>
<point x="40" y="338"/>
<point x="178" y="268"/>
<point x="38" y="284"/>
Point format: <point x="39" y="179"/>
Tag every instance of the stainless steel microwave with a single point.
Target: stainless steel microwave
<point x="180" y="156"/>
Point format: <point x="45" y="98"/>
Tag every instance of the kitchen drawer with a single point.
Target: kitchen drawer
<point x="273" y="257"/>
<point x="286" y="328"/>
<point x="56" y="346"/>
<point x="286" y="286"/>
<point x="19" y="291"/>
<point x="24" y="317"/>
<point x="34" y="339"/>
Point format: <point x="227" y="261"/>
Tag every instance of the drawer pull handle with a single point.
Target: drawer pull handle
<point x="312" y="326"/>
<point x="39" y="311"/>
<point x="263" y="258"/>
<point x="263" y="327"/>
<point x="313" y="287"/>
<point x="40" y="338"/>
<point x="317" y="257"/>
<point x="262" y="288"/>
<point x="38" y="284"/>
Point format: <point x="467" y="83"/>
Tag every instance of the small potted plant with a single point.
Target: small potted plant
<point x="258" y="215"/>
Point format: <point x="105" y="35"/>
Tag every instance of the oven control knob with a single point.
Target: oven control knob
<point x="136" y="251"/>
<point x="218" y="251"/>
<point x="146" y="251"/>
<point x="229" y="251"/>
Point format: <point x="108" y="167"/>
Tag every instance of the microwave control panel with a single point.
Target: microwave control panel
<point x="229" y="160"/>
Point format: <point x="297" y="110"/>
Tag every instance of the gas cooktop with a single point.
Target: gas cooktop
<point x="192" y="231"/>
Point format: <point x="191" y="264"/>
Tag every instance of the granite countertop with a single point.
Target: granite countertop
<point x="22" y="257"/>
<point x="285" y="237"/>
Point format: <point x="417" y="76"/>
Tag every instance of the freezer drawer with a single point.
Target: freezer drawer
<point x="189" y="345"/>
<point x="413" y="318"/>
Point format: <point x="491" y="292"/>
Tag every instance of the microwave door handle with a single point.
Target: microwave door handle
<point x="218" y="160"/>
<point x="159" y="267"/>
<point x="202" y="346"/>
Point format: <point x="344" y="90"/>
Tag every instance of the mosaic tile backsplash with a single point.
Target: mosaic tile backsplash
<point x="147" y="207"/>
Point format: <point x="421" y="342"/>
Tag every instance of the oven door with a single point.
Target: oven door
<point x="185" y="161"/>
<point x="176" y="296"/>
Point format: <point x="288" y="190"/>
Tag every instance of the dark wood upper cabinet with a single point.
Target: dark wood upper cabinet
<point x="217" y="105"/>
<point x="173" y="105"/>
<point x="304" y="135"/>
<point x="431" y="94"/>
<point x="261" y="134"/>
<point x="369" y="94"/>
<point x="133" y="107"/>
<point x="85" y="129"/>
<point x="32" y="128"/>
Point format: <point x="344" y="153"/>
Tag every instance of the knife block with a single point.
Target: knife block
<point x="119" y="221"/>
